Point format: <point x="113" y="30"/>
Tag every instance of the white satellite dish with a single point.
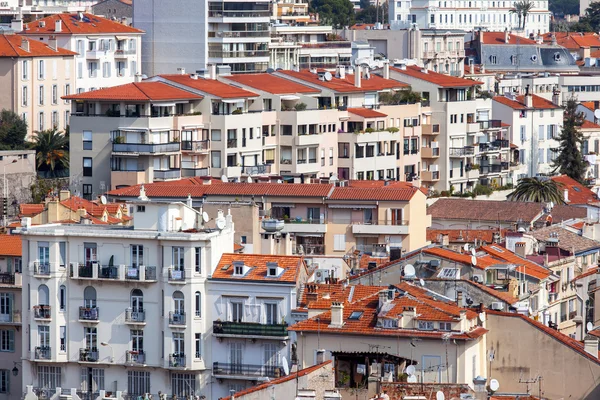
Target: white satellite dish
<point x="221" y="222"/>
<point x="410" y="370"/>
<point x="472" y="251"/>
<point x="589" y="326"/>
<point x="279" y="181"/>
<point x="473" y="260"/>
<point x="597" y="114"/>
<point x="286" y="367"/>
<point x="103" y="199"/>
<point x="494" y="385"/>
<point x="205" y="217"/>
<point x="327" y="76"/>
<point x="466" y="247"/>
<point x="422" y="282"/>
<point x="482" y="317"/>
<point x="409" y="270"/>
<point x="411" y="379"/>
<point x="224" y="178"/>
<point x="250" y="179"/>
<point x="440" y="395"/>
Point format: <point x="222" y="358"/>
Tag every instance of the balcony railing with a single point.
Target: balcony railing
<point x="177" y="360"/>
<point x="41" y="268"/>
<point x="310" y="249"/>
<point x="145" y="148"/>
<point x="491" y="124"/>
<point x="88" y="354"/>
<point x="89" y="313"/>
<point x="135" y="315"/>
<point x="176" y="318"/>
<point x="231" y="143"/>
<point x="7" y="279"/>
<point x="135" y="357"/>
<point x="246" y="370"/>
<point x="257" y="170"/>
<point x="193" y="171"/>
<point x="176" y="274"/>
<point x="167" y="174"/>
<point x="238" y="34"/>
<point x="202" y="145"/>
<point x="107" y="272"/>
<point x="86" y="271"/>
<point x="462" y="151"/>
<point x="132" y="274"/>
<point x="239" y="14"/>
<point x="124" y="52"/>
<point x="238" y="54"/>
<point x="150" y="273"/>
<point x="43" y="353"/>
<point x="42" y="312"/>
<point x="249" y="329"/>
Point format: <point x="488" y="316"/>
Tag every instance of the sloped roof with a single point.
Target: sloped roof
<point x="379" y="194"/>
<point x="137" y="91"/>
<point x="539" y="103"/>
<point x="258" y="267"/>
<point x="464" y="235"/>
<point x="272" y="84"/>
<point x="498" y="38"/>
<point x="366" y="112"/>
<point x="72" y="25"/>
<point x="346" y="85"/>
<point x="11" y="245"/>
<point x="435" y="78"/>
<point x="578" y="194"/>
<point x="10" y="46"/>
<point x="567" y="240"/>
<point x="210" y="86"/>
<point x="485" y="210"/>
<point x="29" y="210"/>
<point x="589" y="124"/>
<point x="524" y="266"/>
<point x="320" y="296"/>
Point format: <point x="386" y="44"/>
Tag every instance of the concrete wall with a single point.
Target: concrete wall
<point x="114" y="9"/>
<point x="20" y="168"/>
<point x="534" y="353"/>
<point x="8" y="358"/>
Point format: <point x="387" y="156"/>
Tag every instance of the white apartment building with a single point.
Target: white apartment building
<point x="251" y="298"/>
<point x="121" y="310"/>
<point x="467" y="15"/>
<point x="231" y="33"/>
<point x="535" y="125"/>
<point x="15" y="9"/>
<point x="108" y="52"/>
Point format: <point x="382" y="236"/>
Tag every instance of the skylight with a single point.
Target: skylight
<point x="355" y="315"/>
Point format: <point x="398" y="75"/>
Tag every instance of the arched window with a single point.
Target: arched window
<point x="178" y="303"/>
<point x="62" y="297"/>
<point x="43" y="295"/>
<point x="198" y="304"/>
<point x="137" y="300"/>
<point x="89" y="297"/>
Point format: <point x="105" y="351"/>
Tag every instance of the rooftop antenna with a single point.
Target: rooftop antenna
<point x="327" y="76"/>
<point x="473" y="251"/>
<point x="250" y="179"/>
<point x="205" y="217"/>
<point x="409" y="271"/>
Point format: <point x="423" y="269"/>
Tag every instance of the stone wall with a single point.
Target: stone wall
<point x="18" y="190"/>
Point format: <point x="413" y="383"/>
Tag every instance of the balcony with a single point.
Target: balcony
<point x="43" y="353"/>
<point x="87" y="271"/>
<point x="309" y="249"/>
<point x="42" y="312"/>
<point x="89" y="314"/>
<point x="430" y="176"/>
<point x="428" y="129"/>
<point x="202" y="146"/>
<point x="135" y="357"/>
<point x="124" y="53"/>
<point x="430" y="152"/>
<point x="493" y="168"/>
<point x="89" y="355"/>
<point x="107" y="272"/>
<point x="165" y="175"/>
<point x="7" y="279"/>
<point x="245" y="371"/>
<point x="193" y="171"/>
<point x="146" y="148"/>
<point x="491" y="124"/>
<point x="41" y="269"/>
<point x="462" y="151"/>
<point x="13" y="317"/>
<point x="308" y="225"/>
<point x="381" y="228"/>
<point x="176" y="318"/>
<point x="249" y="329"/>
<point x="177" y="360"/>
<point x="257" y="170"/>
<point x="231" y="143"/>
<point x="176" y="275"/>
<point x="135" y="317"/>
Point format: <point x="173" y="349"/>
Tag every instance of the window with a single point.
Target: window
<point x="87" y="166"/>
<point x="178" y="258"/>
<point x="25" y="69"/>
<point x="178" y="303"/>
<point x="54" y="94"/>
<point x="24" y="96"/>
<point x="198" y="260"/>
<point x="4" y="381"/>
<point x="425" y="325"/>
<point x="44" y="252"/>
<point x="89" y="297"/>
<point x="62" y="253"/>
<point x="133" y="68"/>
<point x="62" y="298"/>
<point x="87" y="191"/>
<point x="541" y="132"/>
<point x="87" y="140"/>
<point x="55" y="121"/>
<point x="67" y="114"/>
<point x="355" y="315"/>
<point x="63" y="338"/>
<point x="183" y="385"/>
<point x="7" y="340"/>
<point x="215" y="159"/>
<point x="92" y="68"/>
<point x="138" y="383"/>
<point x="339" y="242"/>
<point x="236" y="310"/>
<point x="271" y="313"/>
<point x="198" y="345"/>
<point x="91" y="337"/>
<point x="178" y="343"/>
<point x="80" y="71"/>
<point x="137" y="340"/>
<point x="41" y="69"/>
<point x="6" y="306"/>
<point x="137" y="302"/>
<point x="198" y="304"/>
<point x="445" y="326"/>
<point x="49" y="377"/>
<point x="106" y="69"/>
<point x="41" y="95"/>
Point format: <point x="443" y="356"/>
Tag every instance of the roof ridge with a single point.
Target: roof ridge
<point x="138" y="87"/>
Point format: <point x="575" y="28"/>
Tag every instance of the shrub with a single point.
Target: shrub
<point x="300" y="107"/>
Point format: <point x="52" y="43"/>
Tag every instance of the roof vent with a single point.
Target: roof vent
<point x="42" y="24"/>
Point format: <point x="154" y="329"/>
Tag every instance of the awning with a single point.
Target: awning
<point x="232" y="101"/>
<point x="283" y="205"/>
<point x="290" y="97"/>
<point x="351" y="206"/>
<point x="324" y="55"/>
<point x="319" y="235"/>
<point x="163" y="104"/>
<point x="128" y="129"/>
<point x="122" y="38"/>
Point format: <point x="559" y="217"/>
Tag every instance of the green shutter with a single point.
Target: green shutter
<point x="11" y="340"/>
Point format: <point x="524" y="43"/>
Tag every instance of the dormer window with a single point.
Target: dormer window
<point x="445" y="326"/>
<point x="238" y="268"/>
<point x="272" y="271"/>
<point x="390" y="323"/>
<point x="425" y="325"/>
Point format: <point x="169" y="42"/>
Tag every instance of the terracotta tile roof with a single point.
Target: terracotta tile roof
<point x="504" y="296"/>
<point x="485" y="210"/>
<point x="592" y="41"/>
<point x="320" y="296"/>
<point x="568" y="240"/>
<point x="498" y="38"/>
<point x="595" y="332"/>
<point x="366" y="113"/>
<point x="292" y="266"/>
<point x="577" y="225"/>
<point x="237" y="247"/>
<point x="271" y="83"/>
<point x="271" y="189"/>
<point x="564" y="339"/>
<point x="590" y="272"/>
<point x="578" y="194"/>
<point x="436" y="78"/>
<point x="365" y="259"/>
<point x="524" y="266"/>
<point x="563" y="212"/>
<point x="94" y="211"/>
<point x="372" y="184"/>
<point x="589" y="124"/>
<point x="210" y="86"/>
<point x="364" y="27"/>
<point x="539" y="103"/>
<point x="463" y="235"/>
<point x="573" y="40"/>
<point x="72" y="25"/>
<point x="386" y="193"/>
<point x="590" y="105"/>
<point x="10" y="46"/>
<point x="277" y="381"/>
<point x="346" y="85"/>
<point x="10" y="245"/>
<point x="30" y="210"/>
<point x="137" y="91"/>
<point x="463" y="258"/>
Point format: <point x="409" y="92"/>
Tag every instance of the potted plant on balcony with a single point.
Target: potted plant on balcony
<point x="300" y="106"/>
<point x="237" y="111"/>
<point x="119" y="139"/>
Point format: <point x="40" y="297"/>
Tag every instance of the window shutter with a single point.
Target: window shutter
<point x="11" y="340"/>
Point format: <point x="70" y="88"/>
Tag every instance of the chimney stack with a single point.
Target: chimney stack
<point x="357" y="76"/>
<point x="212" y="71"/>
<point x="137" y="78"/>
<point x="181" y="71"/>
<point x="58" y="25"/>
<point x="25" y="44"/>
<point x="472" y="68"/>
<point x="459" y="298"/>
<point x="566" y="195"/>
<point x="528" y="98"/>
<point x="386" y="69"/>
<point x="506" y="36"/>
<point x="590" y="344"/>
<point x="556" y="97"/>
<point x="520" y="249"/>
<point x="64" y="195"/>
<point x="337" y="315"/>
<point x="53" y="43"/>
<point x="16" y="25"/>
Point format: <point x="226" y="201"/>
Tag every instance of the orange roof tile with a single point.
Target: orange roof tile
<point x="320" y="296"/>
<point x="589" y="125"/>
<point x="237" y="247"/>
<point x="463" y="235"/>
<point x="30" y="210"/>
<point x="595" y="332"/>
<point x="539" y="103"/>
<point x="346" y="85"/>
<point x="436" y="78"/>
<point x="386" y="193"/>
<point x="523" y="265"/>
<point x="72" y="25"/>
<point x="210" y="86"/>
<point x="10" y="245"/>
<point x="482" y="261"/>
<point x="10" y="46"/>
<point x="498" y="38"/>
<point x="573" y="40"/>
<point x="271" y="84"/>
<point x="590" y="105"/>
<point x="578" y="194"/>
<point x="590" y="272"/>
<point x="366" y="113"/>
<point x="137" y="91"/>
<point x="257" y="272"/>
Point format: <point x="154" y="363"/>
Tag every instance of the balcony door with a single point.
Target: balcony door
<point x="44" y="252"/>
<point x="236" y="356"/>
<point x="91" y="338"/>
<point x="137" y="340"/>
<point x="89" y="297"/>
<point x="236" y="311"/>
<point x="271" y="314"/>
<point x="178" y="258"/>
<point x="43" y="295"/>
<point x="178" y="303"/>
<point x="178" y="344"/>
<point x="137" y="255"/>
<point x="90" y="253"/>
<point x="6" y="300"/>
<point x="44" y="336"/>
<point x="137" y="300"/>
<point x="271" y="359"/>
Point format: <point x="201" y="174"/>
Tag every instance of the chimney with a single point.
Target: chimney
<point x="506" y="36"/>
<point x="194" y="76"/>
<point x="16" y="25"/>
<point x="556" y="98"/>
<point x="212" y="71"/>
<point x="340" y="72"/>
<point x="337" y="315"/>
<point x="52" y="43"/>
<point x="463" y="320"/>
<point x="137" y="78"/>
<point x="383" y="298"/>
<point x="459" y="298"/>
<point x="357" y="76"/>
<point x="408" y="317"/>
<point x="584" y="52"/>
<point x="82" y="212"/>
<point x="566" y="195"/>
<point x="472" y="68"/>
<point x="181" y="71"/>
<point x="58" y="25"/>
<point x="554" y="42"/>
<point x="424" y="70"/>
<point x="386" y="69"/>
<point x="64" y="195"/>
<point x="590" y="344"/>
<point x="528" y="98"/>
<point x="25" y="44"/>
<point x="480" y="36"/>
<point x="520" y="249"/>
<point x="188" y="201"/>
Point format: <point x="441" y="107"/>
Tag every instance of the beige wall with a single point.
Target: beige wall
<point x="8" y="359"/>
<point x="7" y="83"/>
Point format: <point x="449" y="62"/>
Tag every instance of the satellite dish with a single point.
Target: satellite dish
<point x="286" y="367"/>
<point x="250" y="180"/>
<point x="422" y="282"/>
<point x="482" y="317"/>
<point x="472" y="251"/>
<point x="103" y="199"/>
<point x="221" y="223"/>
<point x="410" y="370"/>
<point x="494" y="385"/>
<point x="279" y="181"/>
<point x="466" y="247"/>
<point x="440" y="395"/>
<point x="224" y="178"/>
<point x="411" y="379"/>
<point x="387" y="248"/>
<point x="597" y="114"/>
<point x="205" y="217"/>
<point x="327" y="76"/>
<point x="473" y="260"/>
<point x="589" y="326"/>
<point x="409" y="270"/>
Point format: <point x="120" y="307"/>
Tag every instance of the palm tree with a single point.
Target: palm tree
<point x="522" y="9"/>
<point x="537" y="190"/>
<point x="51" y="148"/>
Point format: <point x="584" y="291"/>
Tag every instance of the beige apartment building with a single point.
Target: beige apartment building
<point x="38" y="75"/>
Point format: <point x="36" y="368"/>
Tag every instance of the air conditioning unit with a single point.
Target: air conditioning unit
<point x="477" y="278"/>
<point x="497" y="305"/>
<point x="321" y="274"/>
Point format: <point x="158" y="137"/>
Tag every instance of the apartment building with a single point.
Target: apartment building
<point x="11" y="333"/>
<point x="39" y="74"/>
<point x="462" y="145"/>
<point x="237" y="31"/>
<point x="121" y="309"/>
<point x="250" y="299"/>
<point x="108" y="52"/>
<point x="536" y="123"/>
<point x="468" y="15"/>
<point x="591" y="149"/>
<point x="11" y="10"/>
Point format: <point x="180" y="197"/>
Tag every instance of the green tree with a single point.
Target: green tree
<point x="569" y="160"/>
<point x="538" y="190"/>
<point x="522" y="9"/>
<point x="13" y="130"/>
<point x="564" y="7"/>
<point x="591" y="18"/>
<point x="51" y="148"/>
<point x="337" y="13"/>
